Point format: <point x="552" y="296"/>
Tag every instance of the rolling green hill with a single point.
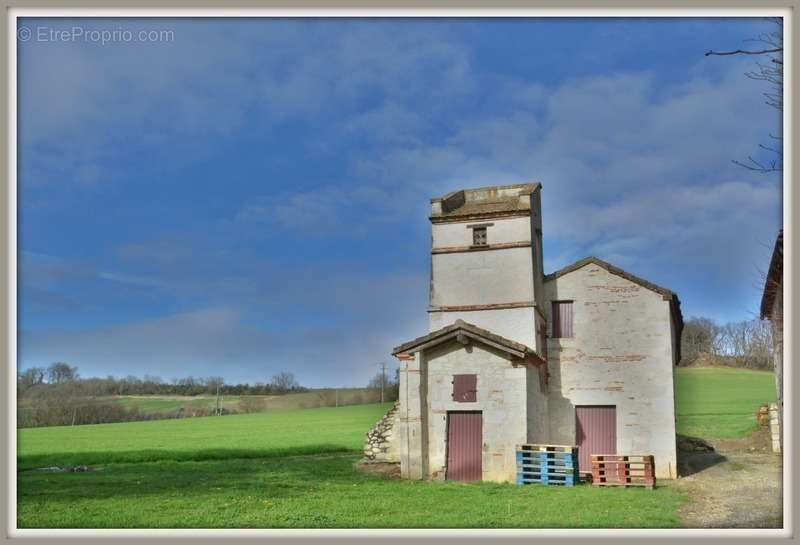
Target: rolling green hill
<point x="720" y="402"/>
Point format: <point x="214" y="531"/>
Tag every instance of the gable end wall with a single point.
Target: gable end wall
<point x="501" y="397"/>
<point x="621" y="354"/>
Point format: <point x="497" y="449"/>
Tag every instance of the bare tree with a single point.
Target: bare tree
<point x="60" y="373"/>
<point x="769" y="69"/>
<point x="284" y="382"/>
<point x="700" y="337"/>
<point x="390" y="386"/>
<point x="30" y="377"/>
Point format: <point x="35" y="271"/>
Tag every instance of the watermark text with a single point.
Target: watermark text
<point x="93" y="35"/>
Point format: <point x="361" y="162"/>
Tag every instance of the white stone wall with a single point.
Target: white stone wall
<point x="516" y="324"/>
<point x="449" y="235"/>
<point x="486" y="277"/>
<point x="538" y="409"/>
<point x="413" y="443"/>
<point x="621" y="354"/>
<point x="501" y="396"/>
<point x="775" y="427"/>
<point x="482" y="278"/>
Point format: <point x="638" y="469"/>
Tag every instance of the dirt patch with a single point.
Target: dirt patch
<point x="757" y="442"/>
<point x="67" y="469"/>
<point x="739" y="485"/>
<point x="383" y="469"/>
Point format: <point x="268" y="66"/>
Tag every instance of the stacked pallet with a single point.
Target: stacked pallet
<point x="547" y="464"/>
<point x="623" y="470"/>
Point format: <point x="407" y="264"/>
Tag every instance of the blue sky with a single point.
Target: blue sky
<point x="252" y="195"/>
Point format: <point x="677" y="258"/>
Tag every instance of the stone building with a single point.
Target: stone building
<point x="582" y="356"/>
<point x="772" y="310"/>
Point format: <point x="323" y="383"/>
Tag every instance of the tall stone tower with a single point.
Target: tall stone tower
<point x="486" y="261"/>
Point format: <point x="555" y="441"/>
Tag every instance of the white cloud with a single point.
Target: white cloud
<point x="364" y="317"/>
<point x="47" y="272"/>
<point x="635" y="170"/>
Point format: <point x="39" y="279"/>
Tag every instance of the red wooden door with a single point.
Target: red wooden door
<point x="595" y="433"/>
<point x="464" y="446"/>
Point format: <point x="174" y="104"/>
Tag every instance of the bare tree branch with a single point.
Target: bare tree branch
<point x="759" y="167"/>
<point x="770" y="72"/>
<point x="745" y="52"/>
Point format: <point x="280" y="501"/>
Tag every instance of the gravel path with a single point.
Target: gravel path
<point x="738" y="486"/>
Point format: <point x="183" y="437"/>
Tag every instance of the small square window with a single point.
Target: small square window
<point x="479" y="236"/>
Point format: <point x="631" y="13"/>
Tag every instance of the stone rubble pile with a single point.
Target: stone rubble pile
<point x="379" y="437"/>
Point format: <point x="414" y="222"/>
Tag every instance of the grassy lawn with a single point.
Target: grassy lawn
<point x="317" y="492"/>
<point x="257" y="435"/>
<point x="239" y="472"/>
<point x="721" y="402"/>
<point x="294" y="469"/>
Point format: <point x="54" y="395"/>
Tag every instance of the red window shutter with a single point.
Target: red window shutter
<point x="562" y="319"/>
<point x="465" y="388"/>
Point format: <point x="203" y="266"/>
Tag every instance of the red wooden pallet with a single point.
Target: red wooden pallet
<point x="623" y="470"/>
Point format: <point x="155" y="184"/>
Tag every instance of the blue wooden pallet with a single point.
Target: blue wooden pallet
<point x="547" y="467"/>
<point x="532" y="478"/>
<point x="544" y="462"/>
<point x="545" y="459"/>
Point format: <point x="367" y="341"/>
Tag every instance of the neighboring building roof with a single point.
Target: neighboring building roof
<point x="484" y="202"/>
<point x="774" y="282"/>
<point x="460" y="330"/>
<point x="668" y="295"/>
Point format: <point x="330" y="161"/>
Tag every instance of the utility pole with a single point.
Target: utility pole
<point x="383" y="378"/>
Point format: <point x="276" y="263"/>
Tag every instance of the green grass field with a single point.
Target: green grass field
<point x="294" y="469"/>
<point x="165" y="404"/>
<point x="329" y="397"/>
<point x="257" y="435"/>
<point x="317" y="492"/>
<point x="720" y="402"/>
<point x="248" y="471"/>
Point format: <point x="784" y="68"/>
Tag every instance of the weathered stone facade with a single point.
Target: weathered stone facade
<point x="492" y="286"/>
<point x="622" y="354"/>
<point x="490" y="319"/>
<point x="502" y="390"/>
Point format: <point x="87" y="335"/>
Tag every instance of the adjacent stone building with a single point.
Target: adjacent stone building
<point x="772" y="310"/>
<point x="582" y="356"/>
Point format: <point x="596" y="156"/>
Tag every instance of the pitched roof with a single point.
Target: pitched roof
<point x="774" y="281"/>
<point x="462" y="328"/>
<point x="613" y="270"/>
<point x="669" y="295"/>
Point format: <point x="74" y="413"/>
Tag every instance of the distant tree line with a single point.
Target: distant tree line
<point x="58" y="375"/>
<point x="745" y="344"/>
<point x="57" y="395"/>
